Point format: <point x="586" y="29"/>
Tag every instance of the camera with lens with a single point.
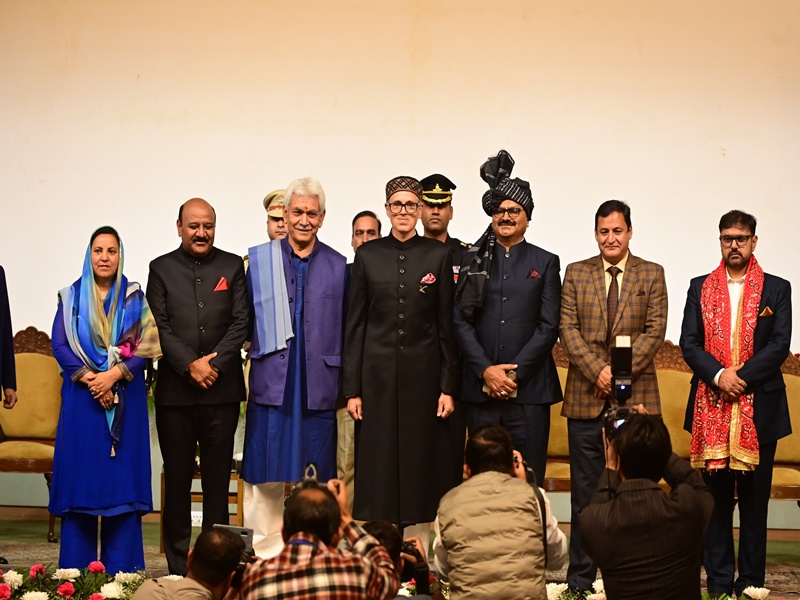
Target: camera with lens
<point x="248" y="555"/>
<point x="621" y="382"/>
<point x="310" y="480"/>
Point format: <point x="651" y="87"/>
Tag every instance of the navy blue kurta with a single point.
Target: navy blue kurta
<point x="281" y="440"/>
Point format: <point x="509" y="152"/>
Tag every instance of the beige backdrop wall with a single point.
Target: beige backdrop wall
<point x="117" y="111"/>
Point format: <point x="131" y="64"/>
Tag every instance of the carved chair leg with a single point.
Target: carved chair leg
<point x="51" y="528"/>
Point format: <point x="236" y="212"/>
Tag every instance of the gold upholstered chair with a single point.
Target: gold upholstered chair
<point x="29" y="429"/>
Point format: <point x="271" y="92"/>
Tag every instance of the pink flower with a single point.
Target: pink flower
<point x="96" y="567"/>
<point x="37" y="570"/>
<point x="66" y="590"/>
<point x="5" y="591"/>
<point x="429" y="278"/>
<point x="412" y="582"/>
<point x="97" y="597"/>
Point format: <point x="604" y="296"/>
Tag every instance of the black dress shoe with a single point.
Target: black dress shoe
<point x="3" y="561"/>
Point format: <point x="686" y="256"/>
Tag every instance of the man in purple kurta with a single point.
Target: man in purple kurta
<point x="298" y="289"/>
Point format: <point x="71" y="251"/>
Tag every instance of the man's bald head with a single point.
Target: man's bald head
<point x="197" y="222"/>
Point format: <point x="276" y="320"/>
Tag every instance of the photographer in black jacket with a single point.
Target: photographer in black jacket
<point x="645" y="541"/>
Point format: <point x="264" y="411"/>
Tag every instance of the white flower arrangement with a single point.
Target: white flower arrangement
<point x="66" y="574"/>
<point x="35" y="596"/>
<point x="112" y="590"/>
<point x="173" y="577"/>
<point x="599" y="591"/>
<point x="554" y="590"/>
<point x="128" y="578"/>
<point x="756" y="593"/>
<point x="13" y="579"/>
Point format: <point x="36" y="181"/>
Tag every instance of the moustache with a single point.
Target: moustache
<point x="200" y="240"/>
<point x="509" y="223"/>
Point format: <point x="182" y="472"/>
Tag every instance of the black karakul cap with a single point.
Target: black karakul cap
<point x="437" y="189"/>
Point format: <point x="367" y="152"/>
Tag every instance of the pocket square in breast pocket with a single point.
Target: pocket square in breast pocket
<point x="641" y="293"/>
<point x="767" y="312"/>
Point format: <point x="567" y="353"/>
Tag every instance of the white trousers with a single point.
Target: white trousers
<point x="263" y="513"/>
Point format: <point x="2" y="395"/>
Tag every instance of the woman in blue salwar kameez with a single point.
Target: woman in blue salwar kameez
<point x="103" y="334"/>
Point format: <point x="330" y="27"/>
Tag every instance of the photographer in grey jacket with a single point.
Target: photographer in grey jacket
<point x="495" y="532"/>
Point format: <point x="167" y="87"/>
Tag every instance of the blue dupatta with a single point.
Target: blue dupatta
<point x="103" y="334"/>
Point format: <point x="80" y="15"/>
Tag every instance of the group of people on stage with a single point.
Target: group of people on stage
<point x="421" y="339"/>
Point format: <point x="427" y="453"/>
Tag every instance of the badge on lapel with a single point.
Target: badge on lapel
<point x="426" y="281"/>
<point x="222" y="285"/>
<point x="534" y="274"/>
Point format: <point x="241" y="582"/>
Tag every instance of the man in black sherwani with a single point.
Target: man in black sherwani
<point x="507" y="333"/>
<point x="400" y="367"/>
<point x="198" y="295"/>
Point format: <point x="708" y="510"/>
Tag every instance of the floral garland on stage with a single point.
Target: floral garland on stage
<point x="559" y="591"/>
<point x="91" y="583"/>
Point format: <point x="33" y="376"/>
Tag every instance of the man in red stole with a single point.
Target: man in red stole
<point x="736" y="330"/>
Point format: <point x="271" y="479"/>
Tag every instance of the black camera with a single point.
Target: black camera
<point x="621" y="386"/>
<point x="248" y="556"/>
<point x="411" y="571"/>
<point x="410" y="548"/>
<point x="310" y="480"/>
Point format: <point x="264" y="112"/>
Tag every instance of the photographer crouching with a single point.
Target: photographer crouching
<point x="646" y="542"/>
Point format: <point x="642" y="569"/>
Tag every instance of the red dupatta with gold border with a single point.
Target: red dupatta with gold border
<point x="723" y="431"/>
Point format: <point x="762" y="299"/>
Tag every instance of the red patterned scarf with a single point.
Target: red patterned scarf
<point x="723" y="432"/>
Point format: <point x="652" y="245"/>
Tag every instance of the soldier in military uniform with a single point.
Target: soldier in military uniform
<point x="508" y="301"/>
<point x="400" y="367"/>
<point x="437" y="212"/>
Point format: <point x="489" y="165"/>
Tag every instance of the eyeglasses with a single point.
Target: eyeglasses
<point x="741" y="240"/>
<point x="513" y="212"/>
<point x="397" y="207"/>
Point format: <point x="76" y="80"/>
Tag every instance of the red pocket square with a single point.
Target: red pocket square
<point x="222" y="285"/>
<point x="534" y="274"/>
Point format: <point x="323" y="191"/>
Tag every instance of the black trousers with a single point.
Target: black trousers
<point x="753" y="488"/>
<point x="180" y="430"/>
<point x="587" y="460"/>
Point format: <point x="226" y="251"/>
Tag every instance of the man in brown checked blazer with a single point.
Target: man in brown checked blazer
<point x="635" y="292"/>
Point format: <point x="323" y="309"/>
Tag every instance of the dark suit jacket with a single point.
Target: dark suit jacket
<point x="195" y="320"/>
<point x="641" y="314"/>
<point x="647" y="543"/>
<point x="8" y="374"/>
<point x="762" y="372"/>
<point x="517" y="324"/>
